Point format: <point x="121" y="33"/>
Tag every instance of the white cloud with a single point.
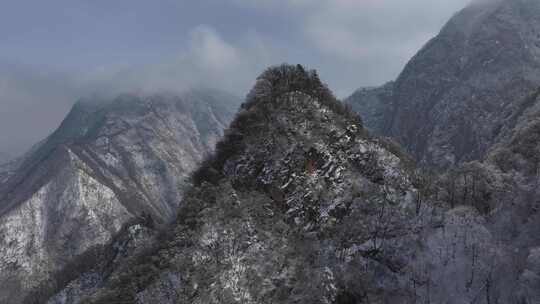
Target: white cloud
<point x="351" y="42"/>
<point x="361" y="42"/>
<point x="207" y="60"/>
<point x="211" y="51"/>
<point x="33" y="100"/>
<point x="273" y="4"/>
<point x="362" y="29"/>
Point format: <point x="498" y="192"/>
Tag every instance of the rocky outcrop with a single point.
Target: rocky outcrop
<point x="449" y="102"/>
<point x="301" y="205"/>
<point x="270" y="216"/>
<point x="110" y="162"/>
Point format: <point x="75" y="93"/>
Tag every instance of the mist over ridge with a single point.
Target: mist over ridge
<point x="57" y="53"/>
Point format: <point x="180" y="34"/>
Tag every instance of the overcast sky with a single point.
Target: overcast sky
<point x="53" y="52"/>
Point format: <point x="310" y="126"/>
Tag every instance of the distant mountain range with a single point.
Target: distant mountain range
<point x="110" y="162"/>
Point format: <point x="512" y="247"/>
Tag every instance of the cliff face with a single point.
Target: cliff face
<point x="451" y="99"/>
<point x="108" y="163"/>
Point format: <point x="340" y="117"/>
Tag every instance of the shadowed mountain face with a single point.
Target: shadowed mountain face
<point x="373" y="104"/>
<point x="108" y="163"/>
<point x="453" y="98"/>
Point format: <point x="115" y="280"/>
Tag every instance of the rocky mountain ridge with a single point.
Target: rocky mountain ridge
<point x="109" y="163"/>
<point x="293" y="170"/>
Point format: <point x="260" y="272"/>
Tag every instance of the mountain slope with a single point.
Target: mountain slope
<point x="504" y="187"/>
<point x="452" y="97"/>
<point x="373" y="104"/>
<point x="109" y="162"/>
<point x="294" y="170"/>
<point x="301" y="205"/>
